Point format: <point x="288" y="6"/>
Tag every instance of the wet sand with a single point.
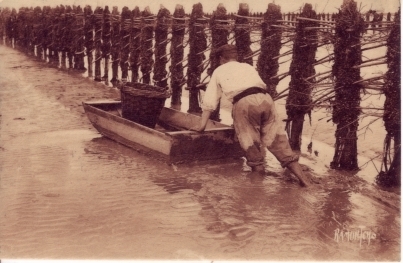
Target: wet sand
<point x="67" y="192"/>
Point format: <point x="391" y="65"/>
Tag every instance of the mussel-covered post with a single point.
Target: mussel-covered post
<point x="79" y="39"/>
<point x="135" y="34"/>
<point x="106" y="41"/>
<point x="98" y="20"/>
<point x="146" y="49"/>
<point x="126" y="23"/>
<point x="161" y="40"/>
<point x="303" y="57"/>
<point x="115" y="51"/>
<point x="219" y="25"/>
<point x="242" y="34"/>
<point x="89" y="36"/>
<point x="10" y="24"/>
<point x="267" y="64"/>
<point x="390" y="174"/>
<point x="197" y="47"/>
<point x="36" y="33"/>
<point x="346" y="109"/>
<point x="69" y="34"/>
<point x="29" y="31"/>
<point x="53" y="55"/>
<point x="62" y="32"/>
<point x="219" y="35"/>
<point x="177" y="53"/>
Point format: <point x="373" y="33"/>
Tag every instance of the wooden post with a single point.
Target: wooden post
<point x="135" y="44"/>
<point x="242" y="35"/>
<point x="299" y="97"/>
<point x="177" y="53"/>
<point x="161" y="40"/>
<point x="79" y="39"/>
<point x="89" y="36"/>
<point x="126" y="23"/>
<point x="346" y="109"/>
<point x="106" y="41"/>
<point x="69" y="35"/>
<point x="37" y="30"/>
<point x="98" y="21"/>
<point x="62" y="34"/>
<point x="270" y="48"/>
<point x="53" y="54"/>
<point x="10" y="25"/>
<point x="219" y="35"/>
<point x="390" y="174"/>
<point x="28" y="32"/>
<point x="146" y="48"/>
<point x="115" y="38"/>
<point x="197" y="46"/>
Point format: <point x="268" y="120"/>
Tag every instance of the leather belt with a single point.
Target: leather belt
<point x="247" y="92"/>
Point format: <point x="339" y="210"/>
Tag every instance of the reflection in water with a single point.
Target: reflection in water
<point x="176" y="184"/>
<point x="335" y="213"/>
<point x="97" y="194"/>
<point x="248" y="213"/>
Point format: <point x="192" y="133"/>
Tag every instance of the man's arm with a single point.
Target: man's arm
<point x="210" y="101"/>
<point x="204" y="119"/>
<point x="203" y="123"/>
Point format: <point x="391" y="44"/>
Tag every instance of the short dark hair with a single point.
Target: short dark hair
<point x="230" y="55"/>
<point x="227" y="51"/>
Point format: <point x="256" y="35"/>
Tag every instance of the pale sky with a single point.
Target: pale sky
<point x="210" y="5"/>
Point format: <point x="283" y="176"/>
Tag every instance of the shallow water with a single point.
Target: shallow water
<point x="67" y="192"/>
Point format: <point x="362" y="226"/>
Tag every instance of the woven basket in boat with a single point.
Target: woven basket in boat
<point x="143" y="103"/>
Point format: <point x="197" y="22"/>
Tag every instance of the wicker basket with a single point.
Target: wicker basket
<point x="143" y="103"/>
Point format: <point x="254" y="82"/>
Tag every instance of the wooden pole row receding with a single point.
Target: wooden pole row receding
<point x="138" y="41"/>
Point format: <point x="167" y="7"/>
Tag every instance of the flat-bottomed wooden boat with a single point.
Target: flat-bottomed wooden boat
<point x="171" y="139"/>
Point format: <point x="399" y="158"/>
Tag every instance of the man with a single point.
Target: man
<point x="255" y="117"/>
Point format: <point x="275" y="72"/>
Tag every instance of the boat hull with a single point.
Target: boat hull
<point x="174" y="143"/>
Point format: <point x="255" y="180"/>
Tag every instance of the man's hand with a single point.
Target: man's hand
<point x="204" y="119"/>
<point x="197" y="128"/>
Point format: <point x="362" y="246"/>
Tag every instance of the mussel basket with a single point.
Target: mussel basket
<point x="143" y="103"/>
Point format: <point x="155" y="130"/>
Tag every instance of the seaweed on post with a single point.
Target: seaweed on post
<point x="161" y="40"/>
<point x="115" y="38"/>
<point x="346" y="108"/>
<point x="125" y="28"/>
<point x="135" y="34"/>
<point x="390" y="174"/>
<point x="219" y="37"/>
<point x="88" y="36"/>
<point x="106" y="41"/>
<point x="270" y="48"/>
<point x="303" y="57"/>
<point x="98" y="21"/>
<point x="197" y="46"/>
<point x="177" y="54"/>
<point x="242" y="34"/>
<point x="146" y="48"/>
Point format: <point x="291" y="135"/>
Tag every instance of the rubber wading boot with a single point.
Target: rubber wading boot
<point x="296" y="169"/>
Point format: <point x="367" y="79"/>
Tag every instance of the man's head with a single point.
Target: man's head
<point x="227" y="53"/>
